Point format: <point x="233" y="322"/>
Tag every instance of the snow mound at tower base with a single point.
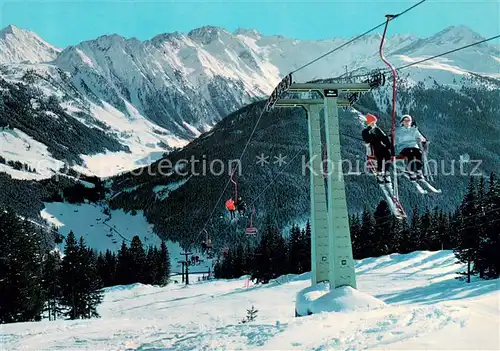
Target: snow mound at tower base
<point x="319" y="298"/>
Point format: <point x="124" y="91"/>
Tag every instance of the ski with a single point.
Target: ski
<point x="394" y="204"/>
<point x="418" y="186"/>
<point x="398" y="208"/>
<point x="395" y="207"/>
<point x="423" y="181"/>
<point x="429" y="186"/>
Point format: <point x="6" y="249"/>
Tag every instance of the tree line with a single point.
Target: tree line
<point x="17" y="165"/>
<point x="37" y="283"/>
<point x="472" y="231"/>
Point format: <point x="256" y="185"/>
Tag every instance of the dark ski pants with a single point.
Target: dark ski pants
<point x="383" y="157"/>
<point x="414" y="157"/>
<point x="241" y="211"/>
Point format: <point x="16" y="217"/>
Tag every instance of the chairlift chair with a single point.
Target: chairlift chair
<point x="251" y="230"/>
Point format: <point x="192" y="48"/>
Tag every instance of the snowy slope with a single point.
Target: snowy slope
<point x="102" y="231"/>
<point x="161" y="93"/>
<point x="146" y="140"/>
<point x="426" y="308"/>
<point x="18" y="146"/>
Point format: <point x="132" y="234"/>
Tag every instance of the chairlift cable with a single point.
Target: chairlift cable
<point x="420" y="61"/>
<point x="264" y="110"/>
<point x="357" y="37"/>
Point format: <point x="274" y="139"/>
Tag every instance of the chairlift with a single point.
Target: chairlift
<point x="230" y="203"/>
<point x="251" y="230"/>
<point x="235" y="185"/>
<point x="208" y="241"/>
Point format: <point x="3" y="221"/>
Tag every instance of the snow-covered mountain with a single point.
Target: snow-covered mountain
<point x="154" y="95"/>
<point x="19" y="45"/>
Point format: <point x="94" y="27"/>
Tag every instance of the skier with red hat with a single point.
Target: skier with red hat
<point x="231" y="207"/>
<point x="381" y="145"/>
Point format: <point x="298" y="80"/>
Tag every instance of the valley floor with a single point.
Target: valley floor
<point x="426" y="309"/>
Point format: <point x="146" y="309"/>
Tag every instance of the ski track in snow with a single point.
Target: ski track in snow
<point x="427" y="309"/>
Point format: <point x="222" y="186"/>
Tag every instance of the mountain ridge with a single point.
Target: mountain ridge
<point x="159" y="94"/>
<point x="172" y="97"/>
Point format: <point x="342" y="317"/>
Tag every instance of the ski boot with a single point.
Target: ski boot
<point x="387" y="178"/>
<point x="413" y="176"/>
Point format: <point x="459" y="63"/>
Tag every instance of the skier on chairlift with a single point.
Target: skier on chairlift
<point x="241" y="206"/>
<point x="406" y="144"/>
<point x="230" y="206"/>
<point x="380" y="143"/>
<point x="206" y="246"/>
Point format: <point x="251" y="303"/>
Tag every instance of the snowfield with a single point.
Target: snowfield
<point x="103" y="231"/>
<point x="425" y="308"/>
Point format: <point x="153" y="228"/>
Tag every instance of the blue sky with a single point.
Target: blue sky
<point x="64" y="23"/>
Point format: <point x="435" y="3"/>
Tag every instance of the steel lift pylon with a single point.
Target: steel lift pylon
<point x="331" y="247"/>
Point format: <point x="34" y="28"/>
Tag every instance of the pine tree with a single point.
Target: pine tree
<point x="237" y="262"/>
<point x="355" y="229"/>
<point x="92" y="284"/>
<point x="218" y="274"/>
<point x="397" y="234"/>
<point x="248" y="257"/>
<point x="305" y="252"/>
<point x="226" y="266"/>
<point x="137" y="260"/>
<point x="403" y="236"/>
<point x="124" y="266"/>
<point x="454" y="225"/>
<point x="30" y="266"/>
<point x="279" y="253"/>
<point x="467" y="247"/>
<point x="425" y="229"/>
<point x="52" y="283"/>
<point x="21" y="288"/>
<point x="251" y="315"/>
<point x="271" y="255"/>
<point x="106" y="266"/>
<point x="152" y="264"/>
<point x="70" y="267"/>
<point x="164" y="266"/>
<point x="480" y="262"/>
<point x="443" y="231"/>
<point x="381" y="240"/>
<point x="294" y="251"/>
<point x="80" y="281"/>
<point x="415" y="231"/>
<point x="491" y="241"/>
<point x="366" y="235"/>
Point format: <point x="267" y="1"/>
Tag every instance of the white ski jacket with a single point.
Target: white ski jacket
<point x="406" y="138"/>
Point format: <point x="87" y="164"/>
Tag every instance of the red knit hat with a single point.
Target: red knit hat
<point x="370" y="119"/>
